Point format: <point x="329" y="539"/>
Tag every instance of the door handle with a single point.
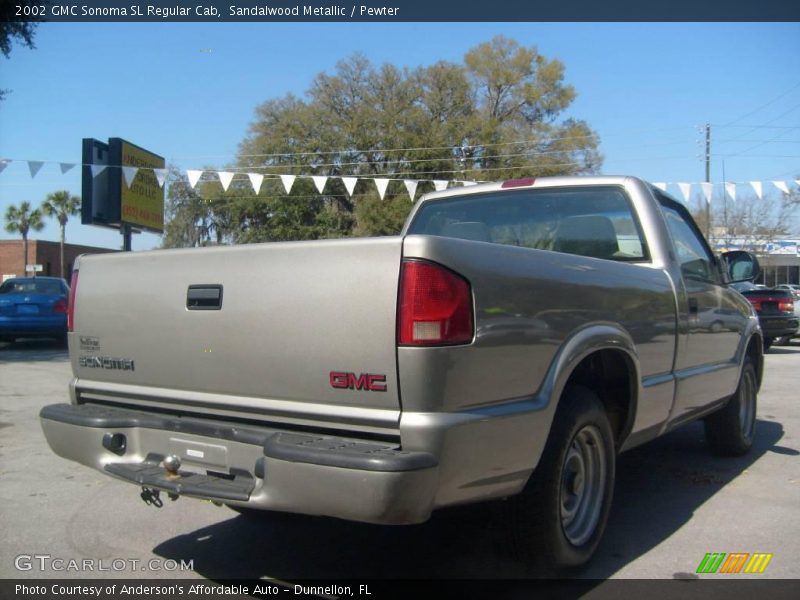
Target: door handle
<point x="204" y="297"/>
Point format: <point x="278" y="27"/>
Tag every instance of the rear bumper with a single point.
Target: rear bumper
<point x="445" y="459"/>
<point x="256" y="467"/>
<point x="44" y="325"/>
<point x="778" y="326"/>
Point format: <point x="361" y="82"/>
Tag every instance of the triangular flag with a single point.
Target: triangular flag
<point x="758" y="188"/>
<point x="381" y="184"/>
<point x="97" y="169"/>
<point x="225" y="178"/>
<point x="686" y="189"/>
<point x="781" y="185"/>
<point x="66" y="167"/>
<point x="4" y="163"/>
<point x="319" y="182"/>
<point x="256" y="179"/>
<point x="161" y="176"/>
<point x="288" y="182"/>
<point x="469" y="183"/>
<point x="730" y="188"/>
<point x="411" y="186"/>
<point x="661" y="186"/>
<point x="797" y="181"/>
<point x="34" y="166"/>
<point x="439" y="184"/>
<point x="349" y="184"/>
<point x="708" y="189"/>
<point x="194" y="177"/>
<point x="130" y="174"/>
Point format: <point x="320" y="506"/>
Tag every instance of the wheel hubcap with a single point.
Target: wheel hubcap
<point x="747" y="405"/>
<point x="583" y="482"/>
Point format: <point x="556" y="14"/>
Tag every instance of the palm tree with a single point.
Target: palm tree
<point x="62" y="205"/>
<point x="21" y="220"/>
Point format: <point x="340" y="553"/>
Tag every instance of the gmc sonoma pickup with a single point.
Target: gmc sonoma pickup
<point x="507" y="344"/>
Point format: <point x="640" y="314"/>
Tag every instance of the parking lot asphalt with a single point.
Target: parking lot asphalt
<point x="674" y="502"/>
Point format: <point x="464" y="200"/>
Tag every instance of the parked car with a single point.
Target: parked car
<point x="33" y="307"/>
<point x="509" y="343"/>
<point x="776" y="313"/>
<point x="795" y="289"/>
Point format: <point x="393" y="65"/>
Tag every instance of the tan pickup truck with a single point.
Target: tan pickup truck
<point x="508" y="344"/>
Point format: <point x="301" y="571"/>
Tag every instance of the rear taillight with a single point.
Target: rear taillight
<point x="73" y="288"/>
<point x="60" y="306"/>
<point x="524" y="182"/>
<point x="435" y="306"/>
<point x="786" y="306"/>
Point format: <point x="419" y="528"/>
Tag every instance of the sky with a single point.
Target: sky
<point x="188" y="92"/>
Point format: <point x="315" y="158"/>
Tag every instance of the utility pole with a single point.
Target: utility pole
<point x="708" y="180"/>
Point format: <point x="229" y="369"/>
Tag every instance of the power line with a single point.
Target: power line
<point x="752" y="112"/>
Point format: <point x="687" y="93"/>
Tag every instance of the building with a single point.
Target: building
<point x="42" y="253"/>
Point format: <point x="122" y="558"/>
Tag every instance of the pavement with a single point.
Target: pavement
<point x="674" y="502"/>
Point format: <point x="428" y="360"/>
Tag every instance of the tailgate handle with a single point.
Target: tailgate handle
<point x="204" y="297"/>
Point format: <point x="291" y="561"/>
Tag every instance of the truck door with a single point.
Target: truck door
<point x="710" y="322"/>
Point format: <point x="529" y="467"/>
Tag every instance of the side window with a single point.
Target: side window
<point x="695" y="260"/>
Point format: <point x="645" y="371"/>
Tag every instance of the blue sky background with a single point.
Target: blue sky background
<point x="188" y="91"/>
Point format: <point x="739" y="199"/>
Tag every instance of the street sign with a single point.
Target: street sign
<point x="34" y="268"/>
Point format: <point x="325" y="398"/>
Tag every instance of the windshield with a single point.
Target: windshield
<point x="594" y="221"/>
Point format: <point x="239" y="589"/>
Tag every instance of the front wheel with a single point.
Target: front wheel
<point x="730" y="431"/>
<point x="560" y="516"/>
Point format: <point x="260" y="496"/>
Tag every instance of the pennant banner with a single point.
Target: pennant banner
<point x="781" y="185"/>
<point x="34" y="166"/>
<point x="256" y="180"/>
<point x="225" y="178"/>
<point x="349" y="184"/>
<point x="730" y="189"/>
<point x="161" y="176"/>
<point x="66" y="167"/>
<point x="3" y="164"/>
<point x="708" y="189"/>
<point x="381" y="184"/>
<point x="411" y="187"/>
<point x="440" y="184"/>
<point x="758" y="188"/>
<point x="97" y="169"/>
<point x="319" y="182"/>
<point x="686" y="189"/>
<point x="661" y="186"/>
<point x="288" y="182"/>
<point x="194" y="177"/>
<point x="129" y="173"/>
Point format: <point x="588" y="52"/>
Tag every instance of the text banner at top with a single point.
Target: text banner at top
<point x="402" y="11"/>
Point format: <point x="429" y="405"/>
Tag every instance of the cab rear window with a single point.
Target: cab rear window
<point x="595" y="221"/>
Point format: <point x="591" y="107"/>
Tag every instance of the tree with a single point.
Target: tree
<point x="22" y="220"/>
<point x="62" y="205"/>
<point x="493" y="117"/>
<point x="13" y="27"/>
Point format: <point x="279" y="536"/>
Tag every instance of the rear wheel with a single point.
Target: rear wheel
<point x="560" y="516"/>
<point x="730" y="431"/>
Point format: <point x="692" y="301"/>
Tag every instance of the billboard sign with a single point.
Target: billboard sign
<point x="141" y="200"/>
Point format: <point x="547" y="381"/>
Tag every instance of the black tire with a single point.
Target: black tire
<point x="552" y="524"/>
<point x="731" y="430"/>
<point x="767" y="343"/>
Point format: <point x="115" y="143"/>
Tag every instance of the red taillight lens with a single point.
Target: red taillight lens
<point x="512" y="183"/>
<point x="786" y="306"/>
<point x="435" y="306"/>
<point x="73" y="288"/>
<point x="60" y="306"/>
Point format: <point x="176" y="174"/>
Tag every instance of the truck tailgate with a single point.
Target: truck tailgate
<point x="297" y="327"/>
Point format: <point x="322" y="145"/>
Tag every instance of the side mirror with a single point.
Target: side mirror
<point x="742" y="266"/>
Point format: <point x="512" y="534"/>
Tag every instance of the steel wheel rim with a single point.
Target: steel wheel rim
<point x="583" y="483"/>
<point x="747" y="405"/>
